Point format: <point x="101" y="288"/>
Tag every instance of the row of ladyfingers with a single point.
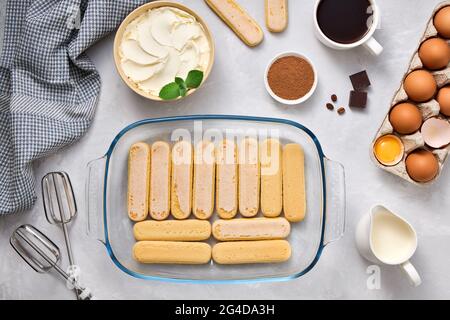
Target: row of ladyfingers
<point x="175" y="241"/>
<point x="222" y="230"/>
<point x="185" y="179"/>
<point x="236" y="252"/>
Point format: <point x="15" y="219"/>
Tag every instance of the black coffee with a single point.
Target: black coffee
<point x="344" y="21"/>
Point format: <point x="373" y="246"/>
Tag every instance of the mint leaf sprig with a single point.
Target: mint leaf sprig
<point x="180" y="87"/>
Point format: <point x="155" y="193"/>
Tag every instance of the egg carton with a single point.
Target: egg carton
<point x="428" y="109"/>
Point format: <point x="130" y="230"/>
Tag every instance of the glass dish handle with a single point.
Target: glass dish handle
<point x="335" y="201"/>
<point x="94" y="199"/>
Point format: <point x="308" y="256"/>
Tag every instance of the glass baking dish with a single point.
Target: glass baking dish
<point x="107" y="198"/>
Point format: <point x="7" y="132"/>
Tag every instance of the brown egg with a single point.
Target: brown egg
<point x="422" y="165"/>
<point x="420" y="85"/>
<point x="442" y="22"/>
<point x="443" y="98"/>
<point x="435" y="53"/>
<point x="405" y="118"/>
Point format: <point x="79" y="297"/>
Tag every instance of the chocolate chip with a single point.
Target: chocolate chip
<point x="333" y="97"/>
<point x="357" y="99"/>
<point x="360" y="80"/>
<point x="341" y="110"/>
<point x="330" y="106"/>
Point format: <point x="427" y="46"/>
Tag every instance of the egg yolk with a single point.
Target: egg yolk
<point x="388" y="150"/>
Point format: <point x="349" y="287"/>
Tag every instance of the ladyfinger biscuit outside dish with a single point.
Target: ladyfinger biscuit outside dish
<point x="138" y="181"/>
<point x="271" y="178"/>
<point x="242" y="252"/>
<point x="172" y="252"/>
<point x="294" y="197"/>
<point x="226" y="179"/>
<point x="181" y="194"/>
<point x="251" y="229"/>
<point x="160" y="181"/>
<point x="245" y="27"/>
<point x="172" y="230"/>
<point x="276" y="15"/>
<point x="204" y="179"/>
<point x="249" y="178"/>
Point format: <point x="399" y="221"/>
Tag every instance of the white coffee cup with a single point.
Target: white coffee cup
<point x="367" y="41"/>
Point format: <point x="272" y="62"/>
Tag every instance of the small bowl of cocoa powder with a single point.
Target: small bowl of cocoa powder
<point x="290" y="78"/>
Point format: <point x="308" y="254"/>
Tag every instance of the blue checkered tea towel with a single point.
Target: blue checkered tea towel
<point x="48" y="86"/>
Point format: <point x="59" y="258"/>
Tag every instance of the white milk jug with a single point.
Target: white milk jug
<point x="383" y="237"/>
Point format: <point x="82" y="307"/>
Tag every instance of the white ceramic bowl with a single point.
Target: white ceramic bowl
<point x="286" y="101"/>
<point x="138" y="12"/>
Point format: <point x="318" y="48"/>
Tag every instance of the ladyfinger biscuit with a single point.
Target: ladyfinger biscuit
<point x="160" y="181"/>
<point x="245" y="27"/>
<point x="226" y="179"/>
<point x="248" y="177"/>
<point x="138" y="181"/>
<point x="181" y="196"/>
<point x="240" y="252"/>
<point x="251" y="229"/>
<point x="204" y="179"/>
<point x="271" y="178"/>
<point x="172" y="252"/>
<point x="172" y="230"/>
<point x="276" y="15"/>
<point x="294" y="197"/>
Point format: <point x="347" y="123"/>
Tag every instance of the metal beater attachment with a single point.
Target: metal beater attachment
<point x="42" y="255"/>
<point x="59" y="205"/>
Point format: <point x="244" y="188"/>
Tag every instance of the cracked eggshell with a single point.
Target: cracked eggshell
<point x="436" y="132"/>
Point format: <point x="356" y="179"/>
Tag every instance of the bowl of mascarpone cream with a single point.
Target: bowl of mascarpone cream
<point x="158" y="42"/>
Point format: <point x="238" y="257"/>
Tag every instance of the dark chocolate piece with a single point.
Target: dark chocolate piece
<point x="333" y="97"/>
<point x="357" y="99"/>
<point x="360" y="80"/>
<point x="341" y="110"/>
<point x="330" y="106"/>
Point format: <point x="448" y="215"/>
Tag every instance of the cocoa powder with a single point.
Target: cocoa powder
<point x="290" y="77"/>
